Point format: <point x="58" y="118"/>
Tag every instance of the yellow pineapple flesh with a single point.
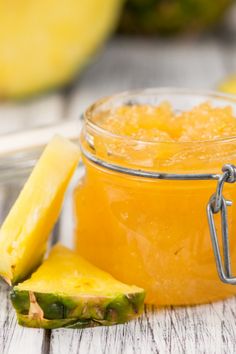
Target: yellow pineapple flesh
<point x="44" y="43"/>
<point x="68" y="291"/>
<point x="25" y="232"/>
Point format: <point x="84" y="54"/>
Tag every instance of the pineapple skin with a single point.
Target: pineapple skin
<point x="77" y="312"/>
<point x="68" y="291"/>
<point x="171" y="17"/>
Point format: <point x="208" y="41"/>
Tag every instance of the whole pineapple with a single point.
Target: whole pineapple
<point x="44" y="43"/>
<point x="171" y="16"/>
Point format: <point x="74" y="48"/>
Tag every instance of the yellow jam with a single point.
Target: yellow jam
<point x="149" y="232"/>
<point x="161" y="123"/>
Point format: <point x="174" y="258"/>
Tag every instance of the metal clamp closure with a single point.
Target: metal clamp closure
<point x="216" y="204"/>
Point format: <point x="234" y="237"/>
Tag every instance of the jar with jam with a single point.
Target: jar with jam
<point x="132" y="218"/>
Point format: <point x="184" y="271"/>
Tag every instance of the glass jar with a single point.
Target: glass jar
<point x="148" y="231"/>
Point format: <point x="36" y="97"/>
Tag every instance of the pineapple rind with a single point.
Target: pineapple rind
<point x="77" y="312"/>
<point x="73" y="323"/>
<point x="67" y="290"/>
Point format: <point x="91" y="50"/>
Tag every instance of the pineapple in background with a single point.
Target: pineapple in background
<point x="171" y="16"/>
<point x="228" y="85"/>
<point x="26" y="229"/>
<point x="43" y="44"/>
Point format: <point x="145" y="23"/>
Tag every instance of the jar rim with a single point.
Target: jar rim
<point x="207" y="94"/>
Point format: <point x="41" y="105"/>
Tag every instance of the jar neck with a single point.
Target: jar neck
<point x="157" y="157"/>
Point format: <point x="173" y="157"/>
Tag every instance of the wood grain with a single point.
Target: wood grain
<point x="201" y="329"/>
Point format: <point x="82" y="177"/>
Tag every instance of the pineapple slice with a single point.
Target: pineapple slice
<point x="68" y="291"/>
<point x="24" y="233"/>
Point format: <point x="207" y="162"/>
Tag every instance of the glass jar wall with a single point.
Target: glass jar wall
<point x="153" y="232"/>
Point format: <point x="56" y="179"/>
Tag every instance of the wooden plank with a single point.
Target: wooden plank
<point x="130" y="64"/>
<point x="201" y="329"/>
<point x="38" y="112"/>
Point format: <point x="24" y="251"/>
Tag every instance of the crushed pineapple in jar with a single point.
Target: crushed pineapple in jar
<point x="162" y="123"/>
<point x="149" y="232"/>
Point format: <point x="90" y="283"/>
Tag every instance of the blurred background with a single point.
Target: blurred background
<point x="58" y="56"/>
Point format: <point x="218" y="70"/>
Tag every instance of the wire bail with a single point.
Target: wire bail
<point x="216" y="204"/>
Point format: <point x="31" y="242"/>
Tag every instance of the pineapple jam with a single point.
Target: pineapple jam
<point x="153" y="232"/>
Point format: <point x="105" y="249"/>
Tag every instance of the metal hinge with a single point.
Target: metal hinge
<point x="218" y="204"/>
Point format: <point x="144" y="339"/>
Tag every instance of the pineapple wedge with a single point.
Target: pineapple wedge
<point x="68" y="291"/>
<point x="24" y="233"/>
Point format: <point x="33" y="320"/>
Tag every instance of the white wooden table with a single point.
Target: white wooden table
<point x="126" y="64"/>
